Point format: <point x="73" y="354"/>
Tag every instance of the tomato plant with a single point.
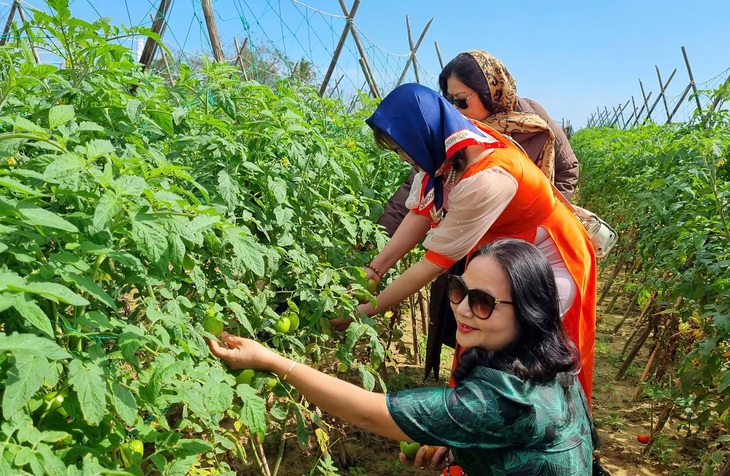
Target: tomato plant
<point x="134" y="212"/>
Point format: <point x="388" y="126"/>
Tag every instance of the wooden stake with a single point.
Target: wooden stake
<point x="338" y="49"/>
<point x="692" y="83"/>
<point x="609" y="283"/>
<point x="438" y="53"/>
<point x="363" y="57"/>
<point x="239" y="55"/>
<point x="410" y="45"/>
<point x="158" y="26"/>
<point x="164" y="57"/>
<point x="8" y="24"/>
<point x="215" y="40"/>
<point x="412" y="56"/>
<point x="28" y="31"/>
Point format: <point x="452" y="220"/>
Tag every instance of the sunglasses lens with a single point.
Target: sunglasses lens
<point x="456" y="290"/>
<point x="460" y="103"/>
<point x="481" y="303"/>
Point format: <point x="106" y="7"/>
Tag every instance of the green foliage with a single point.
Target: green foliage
<point x="129" y="212"/>
<point x="667" y="191"/>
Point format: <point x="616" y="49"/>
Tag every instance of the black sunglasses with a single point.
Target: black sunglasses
<point x="481" y="303"/>
<point x="459" y="102"/>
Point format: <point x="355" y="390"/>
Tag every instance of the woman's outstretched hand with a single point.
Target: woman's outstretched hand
<point x="240" y="353"/>
<point x="427" y="457"/>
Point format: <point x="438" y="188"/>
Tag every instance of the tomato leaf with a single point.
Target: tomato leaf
<point x="52" y="291"/>
<point x="25" y="378"/>
<point x="59" y="115"/>
<point x="32" y="313"/>
<point x="253" y="410"/>
<point x="125" y="403"/>
<point x="87" y="379"/>
<point x="36" y="216"/>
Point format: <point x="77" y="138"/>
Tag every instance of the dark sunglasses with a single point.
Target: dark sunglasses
<point x="481" y="303"/>
<point x="459" y="102"/>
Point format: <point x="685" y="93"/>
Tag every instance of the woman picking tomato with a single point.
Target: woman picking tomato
<point x="517" y="407"/>
<point x="475" y="186"/>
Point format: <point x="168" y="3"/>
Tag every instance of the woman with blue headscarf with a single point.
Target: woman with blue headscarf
<point x="476" y="186"/>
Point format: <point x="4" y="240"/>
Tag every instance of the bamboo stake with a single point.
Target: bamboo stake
<point x="164" y="57"/>
<point x="28" y="31"/>
<point x="8" y="23"/>
<point x="414" y="325"/>
<point x="239" y="55"/>
<point x="692" y="83"/>
<point x="423" y="306"/>
<point x="438" y="53"/>
<point x="338" y="49"/>
<point x="413" y="52"/>
<point x="637" y="347"/>
<point x="410" y="45"/>
<point x="609" y="283"/>
<point x="363" y="57"/>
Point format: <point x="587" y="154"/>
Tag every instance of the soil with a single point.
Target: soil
<point x="618" y="415"/>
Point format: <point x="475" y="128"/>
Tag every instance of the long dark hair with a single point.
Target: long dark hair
<point x="543" y="349"/>
<point x="467" y="70"/>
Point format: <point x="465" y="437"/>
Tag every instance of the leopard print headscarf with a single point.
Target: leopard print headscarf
<point x="503" y="89"/>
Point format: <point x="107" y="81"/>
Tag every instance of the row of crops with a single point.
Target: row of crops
<point x="667" y="191"/>
<point x="131" y="212"/>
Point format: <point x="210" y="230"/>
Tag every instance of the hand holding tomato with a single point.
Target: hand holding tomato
<point x="240" y="353"/>
<point x="425" y="456"/>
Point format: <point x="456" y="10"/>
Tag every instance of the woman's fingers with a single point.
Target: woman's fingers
<point x="340" y="323"/>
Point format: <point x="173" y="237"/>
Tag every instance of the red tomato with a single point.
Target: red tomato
<point x="643" y="438"/>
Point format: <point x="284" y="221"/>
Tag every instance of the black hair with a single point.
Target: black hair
<point x="458" y="158"/>
<point x="466" y="69"/>
<point x="542" y="350"/>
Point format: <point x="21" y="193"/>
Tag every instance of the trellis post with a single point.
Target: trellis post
<point x="338" y="49"/>
<point x="412" y="56"/>
<point x="664" y="87"/>
<point x="158" y="26"/>
<point x="364" y="63"/>
<point x="26" y="27"/>
<point x="438" y="53"/>
<point x="8" y="24"/>
<point x="646" y="102"/>
<point x="410" y="45"/>
<point x="215" y="40"/>
<point x="239" y="55"/>
<point x="692" y="81"/>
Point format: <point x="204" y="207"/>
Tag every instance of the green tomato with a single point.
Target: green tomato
<point x="55" y="402"/>
<point x="213" y="325"/>
<point x="293" y="322"/>
<point x="271" y="383"/>
<point x="137" y="447"/>
<point x="283" y="325"/>
<point x="372" y="285"/>
<point x="409" y="449"/>
<point x="245" y="376"/>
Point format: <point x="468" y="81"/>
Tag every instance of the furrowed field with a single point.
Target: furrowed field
<point x="136" y="216"/>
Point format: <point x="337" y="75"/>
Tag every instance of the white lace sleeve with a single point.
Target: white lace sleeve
<point x="473" y="206"/>
<point x="415" y="196"/>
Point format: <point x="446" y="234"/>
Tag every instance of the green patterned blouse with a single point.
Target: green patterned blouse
<point x="498" y="424"/>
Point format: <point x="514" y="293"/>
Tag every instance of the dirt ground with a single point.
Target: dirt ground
<point x="619" y="417"/>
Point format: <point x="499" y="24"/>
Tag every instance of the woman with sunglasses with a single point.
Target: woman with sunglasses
<point x="516" y="407"/>
<point x="490" y="190"/>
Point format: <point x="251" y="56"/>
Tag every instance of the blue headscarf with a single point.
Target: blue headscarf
<point x="430" y="130"/>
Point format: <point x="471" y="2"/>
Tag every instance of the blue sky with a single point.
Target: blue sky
<point x="571" y="56"/>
